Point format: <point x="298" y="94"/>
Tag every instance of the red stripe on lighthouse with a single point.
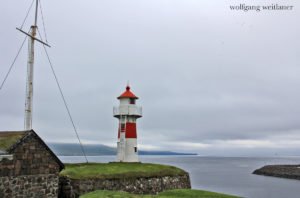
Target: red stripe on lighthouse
<point x="130" y="130"/>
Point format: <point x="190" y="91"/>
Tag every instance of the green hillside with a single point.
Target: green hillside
<point x="118" y="170"/>
<point x="180" y="193"/>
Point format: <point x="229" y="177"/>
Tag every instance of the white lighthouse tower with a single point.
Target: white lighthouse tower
<point x="127" y="113"/>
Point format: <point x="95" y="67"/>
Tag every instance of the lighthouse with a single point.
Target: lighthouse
<point x="127" y="113"/>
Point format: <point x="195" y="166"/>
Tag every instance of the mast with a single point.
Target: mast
<point x="30" y="72"/>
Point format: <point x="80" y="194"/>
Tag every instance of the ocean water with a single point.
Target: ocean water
<point x="231" y="175"/>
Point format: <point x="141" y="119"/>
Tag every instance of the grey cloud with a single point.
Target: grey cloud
<point x="204" y="74"/>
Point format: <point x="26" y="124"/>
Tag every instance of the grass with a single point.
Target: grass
<point x="184" y="193"/>
<point x="118" y="170"/>
<point x="7" y="139"/>
<point x="179" y="193"/>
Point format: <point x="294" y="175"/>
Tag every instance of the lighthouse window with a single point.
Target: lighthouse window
<point x="135" y="149"/>
<point x="132" y="101"/>
<point x="123" y="127"/>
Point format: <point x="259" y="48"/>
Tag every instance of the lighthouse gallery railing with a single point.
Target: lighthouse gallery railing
<point x="127" y="110"/>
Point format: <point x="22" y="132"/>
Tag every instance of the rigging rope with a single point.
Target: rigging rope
<point x="13" y="63"/>
<point x="65" y="103"/>
<point x="53" y="71"/>
<point x="27" y="14"/>
<point x="44" y="27"/>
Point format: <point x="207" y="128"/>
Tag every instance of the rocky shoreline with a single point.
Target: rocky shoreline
<point x="282" y="171"/>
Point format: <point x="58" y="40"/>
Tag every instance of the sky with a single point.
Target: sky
<point x="211" y="80"/>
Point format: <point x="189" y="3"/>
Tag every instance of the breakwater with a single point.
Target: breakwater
<point x="283" y="171"/>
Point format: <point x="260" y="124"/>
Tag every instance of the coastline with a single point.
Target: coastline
<point x="214" y="173"/>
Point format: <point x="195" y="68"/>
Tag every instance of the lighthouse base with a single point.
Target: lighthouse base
<point x="127" y="151"/>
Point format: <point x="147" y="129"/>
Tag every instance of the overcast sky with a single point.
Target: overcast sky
<point x="210" y="80"/>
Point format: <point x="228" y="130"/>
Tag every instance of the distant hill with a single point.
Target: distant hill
<point x="69" y="149"/>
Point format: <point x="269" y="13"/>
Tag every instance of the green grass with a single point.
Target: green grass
<point x="7" y="140"/>
<point x="184" y="193"/>
<point x="110" y="194"/>
<point x="118" y="170"/>
<point x="179" y="193"/>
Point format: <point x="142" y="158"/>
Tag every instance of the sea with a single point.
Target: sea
<point x="229" y="175"/>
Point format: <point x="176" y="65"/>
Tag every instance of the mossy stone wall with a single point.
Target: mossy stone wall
<point x="33" y="186"/>
<point x="73" y="188"/>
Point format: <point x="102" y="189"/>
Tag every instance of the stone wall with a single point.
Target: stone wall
<point x="33" y="186"/>
<point x="6" y="167"/>
<point x="31" y="157"/>
<point x="30" y="171"/>
<point x="72" y="188"/>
